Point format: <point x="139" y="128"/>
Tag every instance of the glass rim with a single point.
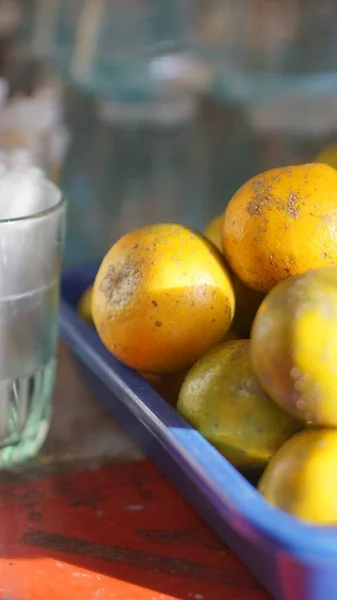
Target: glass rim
<point x="59" y="202"/>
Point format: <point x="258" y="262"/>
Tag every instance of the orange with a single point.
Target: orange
<point x="247" y="301"/>
<point x="162" y="297"/>
<point x="84" y="305"/>
<point x="167" y="386"/>
<point x="230" y="337"/>
<point x="294" y="346"/>
<point x="222" y="398"/>
<point x="301" y="477"/>
<point x="328" y="156"/>
<point x="282" y="223"/>
<point x="213" y="231"/>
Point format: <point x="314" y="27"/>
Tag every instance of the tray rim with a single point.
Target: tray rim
<point x="232" y="496"/>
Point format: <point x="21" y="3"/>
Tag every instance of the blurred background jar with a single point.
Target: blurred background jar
<point x="273" y="65"/>
<point x="146" y="156"/>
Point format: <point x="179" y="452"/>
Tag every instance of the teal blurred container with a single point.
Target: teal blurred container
<point x="63" y="19"/>
<point x="142" y="161"/>
<point x="123" y="173"/>
<point x="266" y="48"/>
<point x="272" y="65"/>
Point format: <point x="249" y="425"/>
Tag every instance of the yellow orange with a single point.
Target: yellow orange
<point x="294" y="346"/>
<point x="301" y="478"/>
<point x="328" y="156"/>
<point x="162" y="297"/>
<point x="84" y="305"/>
<point x="247" y="301"/>
<point x="213" y="231"/>
<point x="282" y="223"/>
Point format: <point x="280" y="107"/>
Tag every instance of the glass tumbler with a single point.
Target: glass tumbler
<point x="30" y="260"/>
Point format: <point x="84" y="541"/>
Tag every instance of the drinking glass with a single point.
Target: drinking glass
<point x="30" y="260"/>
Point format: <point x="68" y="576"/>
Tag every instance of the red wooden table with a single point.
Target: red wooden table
<point x="78" y="526"/>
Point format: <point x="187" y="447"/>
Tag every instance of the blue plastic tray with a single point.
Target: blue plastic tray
<point x="294" y="560"/>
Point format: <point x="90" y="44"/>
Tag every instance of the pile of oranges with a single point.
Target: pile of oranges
<point x="239" y="322"/>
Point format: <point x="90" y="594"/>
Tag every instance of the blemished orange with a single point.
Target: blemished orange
<point x="222" y="398"/>
<point x="162" y="297"/>
<point x="294" y="346"/>
<point x="282" y="223"/>
<point x="301" y="477"/>
<point x="247" y="301"/>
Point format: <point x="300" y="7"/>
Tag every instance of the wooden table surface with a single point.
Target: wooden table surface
<point x="90" y="519"/>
